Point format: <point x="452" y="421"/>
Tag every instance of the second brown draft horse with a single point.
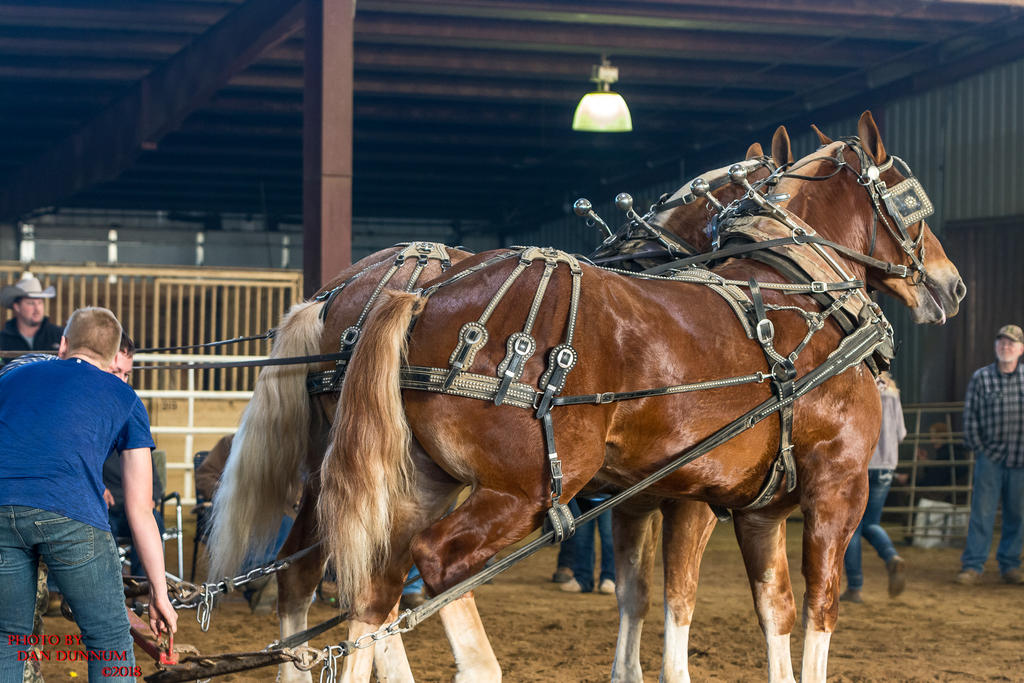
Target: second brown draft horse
<point x="610" y="336"/>
<point x="283" y="435"/>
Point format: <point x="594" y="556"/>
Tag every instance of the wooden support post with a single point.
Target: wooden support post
<point x="327" y="141"/>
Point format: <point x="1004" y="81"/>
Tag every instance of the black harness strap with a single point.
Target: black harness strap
<point x="754" y="247"/>
<point x="656" y="253"/>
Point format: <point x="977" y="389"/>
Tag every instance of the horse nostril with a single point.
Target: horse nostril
<point x="960" y="290"/>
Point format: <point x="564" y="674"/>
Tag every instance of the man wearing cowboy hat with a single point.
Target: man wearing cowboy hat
<point x="29" y="329"/>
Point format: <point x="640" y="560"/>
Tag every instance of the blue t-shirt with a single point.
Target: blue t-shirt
<point x="58" y="421"/>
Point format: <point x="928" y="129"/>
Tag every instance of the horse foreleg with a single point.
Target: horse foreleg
<point x="390" y="662"/>
<point x="687" y="528"/>
<point x="831" y="515"/>
<point x="635" y="535"/>
<point x="296" y="584"/>
<point x="474" y="658"/>
<point x="762" y="539"/>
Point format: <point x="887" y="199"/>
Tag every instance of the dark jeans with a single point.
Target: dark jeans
<point x="581" y="547"/>
<point x="83" y="562"/>
<point x="267" y="555"/>
<point x="995" y="483"/>
<point x="120" y="529"/>
<point x="870" y="528"/>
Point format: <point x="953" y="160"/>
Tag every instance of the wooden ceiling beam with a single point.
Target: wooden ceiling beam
<point x="206" y="140"/>
<point x="78" y="71"/>
<point x="109" y="143"/>
<point x="812" y="19"/>
<point x="615" y="41"/>
<point x="161" y="16"/>
<point x="534" y="85"/>
<point x="109" y="43"/>
<point x="511" y="113"/>
<point x="945" y="10"/>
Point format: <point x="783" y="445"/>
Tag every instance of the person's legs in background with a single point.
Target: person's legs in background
<point x="582" y="541"/>
<point x="120" y="529"/>
<point x="606" y="582"/>
<point x="53" y="593"/>
<point x="412" y="593"/>
<point x="262" y="593"/>
<point x="563" y="569"/>
<point x="879" y="482"/>
<point x="984" y="501"/>
<point x="1010" y="541"/>
<point x="582" y="549"/>
<point x="852" y="565"/>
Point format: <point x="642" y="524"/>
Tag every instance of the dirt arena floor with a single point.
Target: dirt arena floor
<point x="935" y="631"/>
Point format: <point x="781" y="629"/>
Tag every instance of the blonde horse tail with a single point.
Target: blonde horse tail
<point x="366" y="471"/>
<point x="263" y="473"/>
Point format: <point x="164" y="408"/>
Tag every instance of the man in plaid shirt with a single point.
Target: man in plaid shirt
<point x="994" y="430"/>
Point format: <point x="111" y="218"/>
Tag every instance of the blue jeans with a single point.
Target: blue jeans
<point x="417" y="582"/>
<point x="870" y="528"/>
<point x="581" y="547"/>
<point x="83" y="561"/>
<point x="994" y="483"/>
<point x="259" y="558"/>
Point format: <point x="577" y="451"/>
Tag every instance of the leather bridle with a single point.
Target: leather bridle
<point x="905" y="203"/>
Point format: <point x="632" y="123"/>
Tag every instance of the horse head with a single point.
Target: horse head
<point x="874" y="205"/>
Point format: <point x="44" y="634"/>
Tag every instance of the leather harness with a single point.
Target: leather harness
<point x="329" y="381"/>
<point x="866" y="330"/>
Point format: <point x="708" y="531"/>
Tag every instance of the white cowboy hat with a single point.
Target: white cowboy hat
<point x="29" y="286"/>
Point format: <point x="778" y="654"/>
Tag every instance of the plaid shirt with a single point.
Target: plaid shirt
<point x="25" y="359"/>
<point x="994" y="415"/>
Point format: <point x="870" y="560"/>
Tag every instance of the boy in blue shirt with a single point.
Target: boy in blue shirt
<point x="58" y="421"/>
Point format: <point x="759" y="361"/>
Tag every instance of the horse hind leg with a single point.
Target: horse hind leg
<point x="635" y="536"/>
<point x="762" y="539"/>
<point x="295" y="585"/>
<point x="687" y="528"/>
<point x="474" y="658"/>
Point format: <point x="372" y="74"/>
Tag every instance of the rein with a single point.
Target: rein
<point x="269" y="334"/>
<point x="895" y="268"/>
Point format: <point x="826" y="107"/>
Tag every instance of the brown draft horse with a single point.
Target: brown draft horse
<point x="283" y="437"/>
<point x="630" y="334"/>
<point x="277" y="453"/>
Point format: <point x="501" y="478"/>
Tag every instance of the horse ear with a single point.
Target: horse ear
<point x="782" y="151"/>
<point x="824" y="139"/>
<point x="870" y="138"/>
<point x="754" y="151"/>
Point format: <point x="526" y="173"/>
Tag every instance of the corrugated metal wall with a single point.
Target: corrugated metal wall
<point x="965" y="141"/>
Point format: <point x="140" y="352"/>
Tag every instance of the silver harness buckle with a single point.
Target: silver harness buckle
<point x="765" y="331"/>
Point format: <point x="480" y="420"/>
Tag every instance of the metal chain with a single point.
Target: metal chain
<point x="332" y="653"/>
<point x="185" y="595"/>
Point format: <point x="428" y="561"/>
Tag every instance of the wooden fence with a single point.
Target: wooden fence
<point x="177" y="306"/>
